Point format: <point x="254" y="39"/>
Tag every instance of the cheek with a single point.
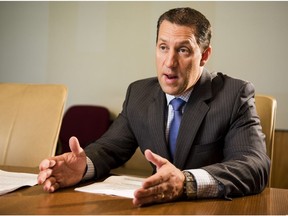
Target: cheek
<point x="187" y="68"/>
<point x="159" y="65"/>
<point x="191" y="73"/>
<point x="159" y="60"/>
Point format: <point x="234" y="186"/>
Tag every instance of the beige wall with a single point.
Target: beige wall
<point x="98" y="48"/>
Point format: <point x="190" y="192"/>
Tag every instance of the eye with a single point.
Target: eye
<point x="184" y="51"/>
<point x="163" y="48"/>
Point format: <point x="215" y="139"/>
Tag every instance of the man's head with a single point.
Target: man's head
<point x="191" y="18"/>
<point x="183" y="48"/>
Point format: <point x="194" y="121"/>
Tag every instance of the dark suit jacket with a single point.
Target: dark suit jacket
<point x="220" y="132"/>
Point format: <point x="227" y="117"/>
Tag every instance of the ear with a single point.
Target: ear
<point x="205" y="56"/>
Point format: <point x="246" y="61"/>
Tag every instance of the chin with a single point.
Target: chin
<point x="170" y="91"/>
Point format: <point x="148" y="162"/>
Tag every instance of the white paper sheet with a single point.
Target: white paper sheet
<point x="10" y="181"/>
<point x="123" y="186"/>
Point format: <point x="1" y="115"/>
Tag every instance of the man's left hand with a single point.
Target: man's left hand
<point x="164" y="186"/>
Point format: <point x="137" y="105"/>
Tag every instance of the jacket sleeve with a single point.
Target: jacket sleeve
<point x="115" y="147"/>
<point x="245" y="167"/>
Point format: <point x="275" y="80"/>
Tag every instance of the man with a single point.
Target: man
<point x="219" y="150"/>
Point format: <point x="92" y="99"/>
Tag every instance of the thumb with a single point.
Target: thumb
<point x="75" y="146"/>
<point x="157" y="160"/>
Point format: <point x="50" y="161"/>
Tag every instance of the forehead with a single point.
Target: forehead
<point x="168" y="31"/>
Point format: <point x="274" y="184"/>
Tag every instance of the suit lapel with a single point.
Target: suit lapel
<point x="157" y="118"/>
<point x="194" y="113"/>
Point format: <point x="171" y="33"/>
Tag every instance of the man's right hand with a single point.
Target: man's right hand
<point x="63" y="170"/>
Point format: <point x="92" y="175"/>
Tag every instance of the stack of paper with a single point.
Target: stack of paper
<point x="115" y="185"/>
<point x="10" y="181"/>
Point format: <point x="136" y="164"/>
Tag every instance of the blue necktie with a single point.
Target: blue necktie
<point x="177" y="105"/>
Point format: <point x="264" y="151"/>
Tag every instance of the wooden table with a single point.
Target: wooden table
<point x="33" y="200"/>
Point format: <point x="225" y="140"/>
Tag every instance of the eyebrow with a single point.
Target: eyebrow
<point x="184" y="42"/>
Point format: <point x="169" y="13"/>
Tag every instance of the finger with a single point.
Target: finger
<point x="44" y="175"/>
<point x="143" y="196"/>
<point x="48" y="183"/>
<point x="153" y="181"/>
<point x="143" y="192"/>
<point x="154" y="198"/>
<point x="51" y="185"/>
<point x="142" y="201"/>
<point x="54" y="187"/>
<point x="45" y="164"/>
<point x="75" y="146"/>
<point x="157" y="160"/>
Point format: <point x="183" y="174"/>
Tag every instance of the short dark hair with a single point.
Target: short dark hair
<point x="191" y="18"/>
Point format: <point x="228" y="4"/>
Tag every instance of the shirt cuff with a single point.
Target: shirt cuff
<point x="207" y="186"/>
<point x="90" y="172"/>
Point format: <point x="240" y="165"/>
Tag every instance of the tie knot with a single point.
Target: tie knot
<point x="177" y="104"/>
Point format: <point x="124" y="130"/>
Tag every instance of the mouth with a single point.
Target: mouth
<point x="170" y="77"/>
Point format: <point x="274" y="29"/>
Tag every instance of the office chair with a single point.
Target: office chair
<point x="30" y="116"/>
<point x="86" y="122"/>
<point x="266" y="108"/>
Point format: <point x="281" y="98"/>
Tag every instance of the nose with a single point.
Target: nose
<point x="171" y="59"/>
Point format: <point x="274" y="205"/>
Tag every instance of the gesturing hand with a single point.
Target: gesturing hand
<point x="165" y="185"/>
<point x="63" y="170"/>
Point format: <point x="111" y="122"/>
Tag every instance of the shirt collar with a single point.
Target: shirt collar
<point x="184" y="96"/>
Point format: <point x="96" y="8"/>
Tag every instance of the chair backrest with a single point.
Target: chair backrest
<point x="137" y="165"/>
<point x="266" y="108"/>
<point x="30" y="116"/>
<point x="86" y="122"/>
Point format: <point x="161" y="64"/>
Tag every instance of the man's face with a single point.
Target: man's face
<point x="178" y="58"/>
